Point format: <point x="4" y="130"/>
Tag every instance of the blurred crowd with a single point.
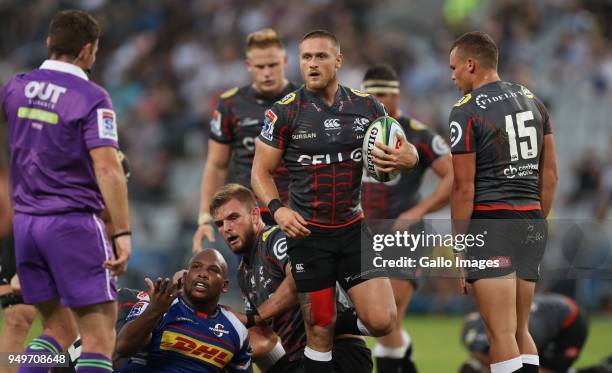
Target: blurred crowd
<point x="164" y="63"/>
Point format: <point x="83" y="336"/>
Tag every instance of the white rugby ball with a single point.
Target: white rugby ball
<point x="383" y="130"/>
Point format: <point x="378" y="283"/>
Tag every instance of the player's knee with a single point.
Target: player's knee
<point x="379" y="321"/>
<point x="501" y="331"/>
<point x="323" y="303"/>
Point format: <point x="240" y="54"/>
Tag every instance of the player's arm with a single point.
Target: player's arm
<point x="136" y="333"/>
<point x="213" y="178"/>
<point x="266" y="346"/>
<point x="462" y="195"/>
<point x="267" y="159"/>
<point x="548" y="174"/>
<point x="113" y="185"/>
<point x="283" y="298"/>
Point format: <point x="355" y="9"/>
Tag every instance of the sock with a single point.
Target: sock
<point x="347" y="322"/>
<point x="319" y="362"/>
<point x="531" y="363"/>
<point x="44" y="345"/>
<point x="508" y="366"/>
<point x="391" y="359"/>
<point x="93" y="363"/>
<point x="407" y="362"/>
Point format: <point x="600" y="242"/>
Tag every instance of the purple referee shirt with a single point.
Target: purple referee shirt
<point x="56" y="116"/>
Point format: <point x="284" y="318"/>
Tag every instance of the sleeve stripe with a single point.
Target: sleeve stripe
<point x="427" y="150"/>
<point x="467" y="134"/>
<point x="243" y="333"/>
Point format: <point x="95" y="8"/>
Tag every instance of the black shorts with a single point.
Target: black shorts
<point x="514" y="242"/>
<point x="328" y="255"/>
<point x="563" y="351"/>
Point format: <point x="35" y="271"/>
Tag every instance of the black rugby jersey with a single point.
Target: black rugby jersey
<point x="390" y="199"/>
<point x="504" y="124"/>
<point x="238" y="121"/>
<point x="322" y="151"/>
<point x="261" y="272"/>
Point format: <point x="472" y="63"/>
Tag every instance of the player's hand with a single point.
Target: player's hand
<point x="408" y="218"/>
<point x="203" y="231"/>
<point x="161" y="294"/>
<point x="123" y="249"/>
<point x="290" y="222"/>
<point x="15" y="285"/>
<point x="388" y="159"/>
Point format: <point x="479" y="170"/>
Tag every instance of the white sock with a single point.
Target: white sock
<point x="530" y="359"/>
<point x="316" y="355"/>
<point x="393" y="352"/>
<point x="406" y="338"/>
<point x="507" y="366"/>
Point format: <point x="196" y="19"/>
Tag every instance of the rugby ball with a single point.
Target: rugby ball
<point x="383" y="130"/>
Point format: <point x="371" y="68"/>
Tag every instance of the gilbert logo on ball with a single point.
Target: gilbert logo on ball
<point x="383" y="130"/>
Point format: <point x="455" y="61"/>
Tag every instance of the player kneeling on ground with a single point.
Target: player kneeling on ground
<point x="270" y="294"/>
<point x="188" y="330"/>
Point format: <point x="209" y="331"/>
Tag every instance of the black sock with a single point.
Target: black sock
<point x="347" y="322"/>
<point x="530" y="368"/>
<point x="408" y="363"/>
<point x="389" y="365"/>
<point x="318" y="362"/>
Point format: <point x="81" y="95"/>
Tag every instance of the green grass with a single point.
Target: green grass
<point x="437" y="347"/>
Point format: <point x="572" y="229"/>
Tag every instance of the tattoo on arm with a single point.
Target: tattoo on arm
<point x="306" y="307"/>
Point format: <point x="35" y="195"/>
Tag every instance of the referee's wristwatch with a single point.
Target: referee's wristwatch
<point x="205" y="218"/>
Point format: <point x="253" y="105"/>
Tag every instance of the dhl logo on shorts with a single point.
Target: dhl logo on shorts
<point x="191" y="347"/>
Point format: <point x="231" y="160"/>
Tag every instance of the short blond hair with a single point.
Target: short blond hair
<point x="263" y="38"/>
<point x="233" y="191"/>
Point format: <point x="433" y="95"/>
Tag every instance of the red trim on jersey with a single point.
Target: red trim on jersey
<point x="467" y="134"/>
<point x="202" y="314"/>
<point x="506" y="207"/>
<point x="358" y="217"/>
<point x="572" y="317"/>
<point x="127" y="304"/>
<point x="281" y="137"/>
<point x="427" y="150"/>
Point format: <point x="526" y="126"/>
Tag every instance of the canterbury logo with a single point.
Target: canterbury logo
<point x="332" y="123"/>
<point x="188" y="346"/>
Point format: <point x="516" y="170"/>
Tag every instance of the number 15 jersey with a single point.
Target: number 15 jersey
<point x="504" y="124"/>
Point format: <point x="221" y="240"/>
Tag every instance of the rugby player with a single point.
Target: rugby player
<point x="187" y="330"/>
<point x="504" y="168"/>
<point x="64" y="171"/>
<point x="318" y="131"/>
<point x="237" y="122"/>
<point x="400" y="199"/>
<point x="557" y="324"/>
<point x="269" y="291"/>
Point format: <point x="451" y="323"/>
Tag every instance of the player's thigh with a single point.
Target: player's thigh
<point x="351" y="355"/>
<point x="76" y="247"/>
<point x="524" y="297"/>
<point x="402" y="292"/>
<point x="496" y="298"/>
<point x="375" y="305"/>
<point x="313" y="261"/>
<point x="35" y="275"/>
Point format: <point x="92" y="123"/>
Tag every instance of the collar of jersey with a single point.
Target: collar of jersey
<point x="315" y="96"/>
<point x="200" y="314"/>
<point x="64" y="67"/>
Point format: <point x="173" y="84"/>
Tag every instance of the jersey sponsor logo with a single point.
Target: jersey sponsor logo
<point x="483" y="100"/>
<point x="455" y="133"/>
<point x="215" y="123"/>
<point x="526" y="92"/>
<point x="218" y="330"/>
<point x="312" y="160"/>
<point x="463" y="100"/>
<point x="361" y="124"/>
<point x="299" y="268"/>
<point x="44" y="91"/>
<point x="191" y="347"/>
<point x="107" y="125"/>
<point x="280" y="249"/>
<point x="137" y="310"/>
<point x="359" y="93"/>
<point x="229" y="93"/>
<point x="303" y="135"/>
<point x="332" y="126"/>
<point x="439" y="146"/>
<point x="143" y="294"/>
<point x="265" y="235"/>
<point x="287" y="99"/>
<point x="268" y="128"/>
<point x="248" y="122"/>
<point x="525" y="170"/>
